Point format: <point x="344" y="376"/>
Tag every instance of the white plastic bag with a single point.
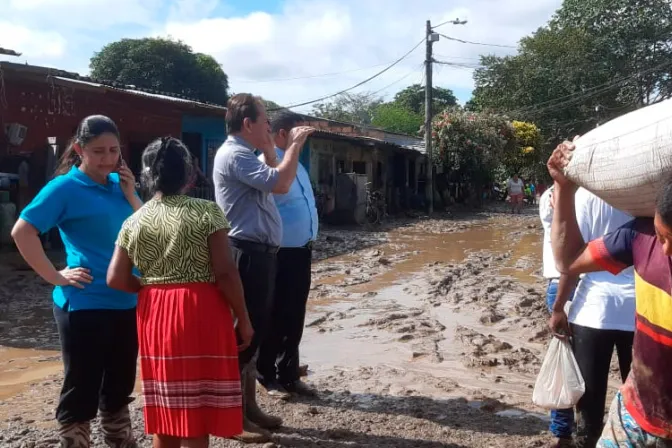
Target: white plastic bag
<point x="559" y="383"/>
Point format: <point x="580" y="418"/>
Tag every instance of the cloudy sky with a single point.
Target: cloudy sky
<point x="289" y="51"/>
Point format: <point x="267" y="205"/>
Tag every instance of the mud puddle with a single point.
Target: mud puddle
<point x="21" y="367"/>
<point x="401" y="332"/>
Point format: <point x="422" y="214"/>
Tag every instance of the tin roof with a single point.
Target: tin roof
<point x="63" y="76"/>
<point x="141" y="92"/>
<point x="366" y="141"/>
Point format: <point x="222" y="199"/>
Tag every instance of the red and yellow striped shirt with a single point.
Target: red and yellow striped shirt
<point x="648" y="390"/>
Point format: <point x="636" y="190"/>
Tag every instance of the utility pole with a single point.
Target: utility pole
<point x="429" y="40"/>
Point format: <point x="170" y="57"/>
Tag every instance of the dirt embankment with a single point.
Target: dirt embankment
<point x="425" y="334"/>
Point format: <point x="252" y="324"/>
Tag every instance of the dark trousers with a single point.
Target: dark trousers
<point x="593" y="350"/>
<point x="257" y="265"/>
<point x="100" y="354"/>
<point x="279" y="352"/>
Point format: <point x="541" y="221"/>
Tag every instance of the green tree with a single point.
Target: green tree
<point x="631" y="39"/>
<point x="594" y="60"/>
<point x="355" y="108"/>
<point x="395" y="118"/>
<point x="161" y="64"/>
<point x="413" y="99"/>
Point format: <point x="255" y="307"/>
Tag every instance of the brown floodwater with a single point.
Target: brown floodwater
<point x="21" y="367"/>
<point x="426" y="248"/>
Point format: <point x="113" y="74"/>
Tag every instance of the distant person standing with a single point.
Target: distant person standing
<point x="243" y="190"/>
<point x="278" y="363"/>
<point x="515" y="187"/>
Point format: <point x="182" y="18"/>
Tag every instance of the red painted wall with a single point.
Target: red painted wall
<point x="51" y="110"/>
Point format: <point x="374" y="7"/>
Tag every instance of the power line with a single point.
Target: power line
<point x="475" y="43"/>
<point x="458" y="64"/>
<point x="306" y="103"/>
<point x="262" y="81"/>
<point x="397" y="81"/>
<point x="580" y="96"/>
<point x="456" y="57"/>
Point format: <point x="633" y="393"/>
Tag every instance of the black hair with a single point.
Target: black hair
<point x="285" y="120"/>
<point x="240" y="107"/>
<point x="89" y="129"/>
<point x="167" y="166"/>
<point x="664" y="203"/>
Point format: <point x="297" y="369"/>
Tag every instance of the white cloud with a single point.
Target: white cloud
<point x="83" y="14"/>
<point x="326" y="36"/>
<point x="189" y="10"/>
<point x="41" y="44"/>
<point x="300" y="40"/>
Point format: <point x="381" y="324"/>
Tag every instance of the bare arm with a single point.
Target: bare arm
<point x="226" y="273"/>
<point x="120" y="272"/>
<point x="566" y="236"/>
<point x="558" y="322"/>
<point x="566" y="285"/>
<point x="135" y="202"/>
<point x="290" y="162"/>
<point x="28" y="242"/>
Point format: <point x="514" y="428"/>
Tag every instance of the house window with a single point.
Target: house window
<point x="359" y="167"/>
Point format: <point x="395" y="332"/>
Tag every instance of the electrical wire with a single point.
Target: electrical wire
<point x="580" y="96"/>
<point x="475" y="43"/>
<point x="262" y="81"/>
<point x="397" y="81"/>
<point x="306" y="103"/>
<point x="458" y="64"/>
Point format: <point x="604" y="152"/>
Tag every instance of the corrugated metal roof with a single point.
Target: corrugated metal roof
<point x="369" y="141"/>
<point x="140" y="93"/>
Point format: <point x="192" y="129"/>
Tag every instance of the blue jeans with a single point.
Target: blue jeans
<point x="562" y="420"/>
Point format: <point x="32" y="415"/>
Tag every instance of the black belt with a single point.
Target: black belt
<point x="308" y="246"/>
<point x="251" y="246"/>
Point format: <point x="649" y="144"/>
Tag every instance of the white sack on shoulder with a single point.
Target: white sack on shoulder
<point x="559" y="383"/>
<point x="626" y="160"/>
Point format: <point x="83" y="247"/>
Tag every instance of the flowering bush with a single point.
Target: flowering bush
<point x="526" y="153"/>
<point x="471" y="144"/>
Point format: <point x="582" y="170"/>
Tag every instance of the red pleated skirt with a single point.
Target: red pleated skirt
<point x="189" y="362"/>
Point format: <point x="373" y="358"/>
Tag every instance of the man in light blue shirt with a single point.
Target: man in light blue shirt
<point x="278" y="363"/>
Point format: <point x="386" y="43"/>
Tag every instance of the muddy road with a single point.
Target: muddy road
<point x="427" y="333"/>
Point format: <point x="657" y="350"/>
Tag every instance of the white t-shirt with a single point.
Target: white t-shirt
<point x="602" y="300"/>
<point x="546" y="215"/>
<point x="515" y="187"/>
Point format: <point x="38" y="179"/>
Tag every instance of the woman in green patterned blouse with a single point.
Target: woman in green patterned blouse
<point x="188" y="288"/>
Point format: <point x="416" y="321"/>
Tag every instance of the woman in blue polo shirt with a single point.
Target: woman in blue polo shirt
<point x="89" y="199"/>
